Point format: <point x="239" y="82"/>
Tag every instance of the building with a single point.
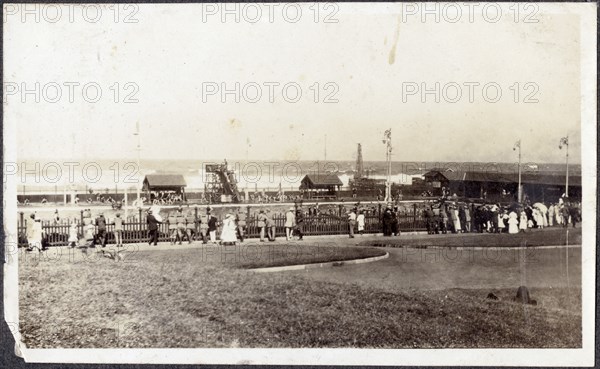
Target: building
<point x="501" y="186"/>
<point x="320" y="186"/>
<point x="165" y="183"/>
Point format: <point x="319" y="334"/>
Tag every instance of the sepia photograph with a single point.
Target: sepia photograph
<point x="300" y="183"/>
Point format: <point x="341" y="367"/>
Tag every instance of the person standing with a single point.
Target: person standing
<point x="351" y="223"/>
<point x="262" y="223"/>
<point x="241" y="224"/>
<point x="395" y="222"/>
<point x="523" y="221"/>
<point x="513" y="223"/>
<point x="443" y="219"/>
<point x="538" y="216"/>
<point x="462" y="218"/>
<point x="387" y="222"/>
<point x="290" y="223"/>
<point x="73" y="236"/>
<point x="300" y="224"/>
<point x="212" y="227"/>
<point x="360" y="220"/>
<point x="454" y="220"/>
<point x="118" y="231"/>
<point x="204" y="226"/>
<point x="190" y="227"/>
<point x="551" y="215"/>
<point x="573" y="214"/>
<point x="36" y="234"/>
<point x="468" y="219"/>
<point x="228" y="236"/>
<point x="152" y="228"/>
<point x="503" y="220"/>
<point x="181" y="232"/>
<point x="270" y="225"/>
<point x="172" y="220"/>
<point x="101" y="230"/>
<point x="495" y="211"/>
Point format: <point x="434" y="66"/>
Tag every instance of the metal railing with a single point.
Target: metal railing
<point x="135" y="227"/>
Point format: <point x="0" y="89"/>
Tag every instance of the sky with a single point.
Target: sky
<point x="364" y="68"/>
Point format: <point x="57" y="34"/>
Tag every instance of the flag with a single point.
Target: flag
<point x="563" y="141"/>
<point x="387" y="136"/>
<point x="517" y="145"/>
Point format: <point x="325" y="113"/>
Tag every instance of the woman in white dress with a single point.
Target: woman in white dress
<point x="456" y="220"/>
<point x="228" y="235"/>
<point x="73" y="236"/>
<point x="539" y="217"/>
<point x="501" y="224"/>
<point x="523" y="221"/>
<point x="36" y="235"/>
<point x="513" y="222"/>
<point x="360" y="220"/>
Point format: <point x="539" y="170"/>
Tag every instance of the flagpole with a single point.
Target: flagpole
<point x="519" y="195"/>
<point x="567" y="178"/>
<point x="388" y="188"/>
<point x="137" y="133"/>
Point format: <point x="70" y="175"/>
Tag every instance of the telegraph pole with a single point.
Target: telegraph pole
<point x="138" y="149"/>
<point x="519" y="195"/>
<point x="567" y="176"/>
<point x="565" y="141"/>
<point x="388" y="186"/>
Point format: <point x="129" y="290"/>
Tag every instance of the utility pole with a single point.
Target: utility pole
<point x="138" y="149"/>
<point x="387" y="139"/>
<point x="565" y="141"/>
<point x="519" y="196"/>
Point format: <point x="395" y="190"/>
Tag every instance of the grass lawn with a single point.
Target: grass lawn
<point x="196" y="298"/>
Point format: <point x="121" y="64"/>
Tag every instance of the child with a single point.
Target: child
<point x="118" y="231"/>
<point x="73" y="237"/>
<point x="88" y="235"/>
<point x="360" y="219"/>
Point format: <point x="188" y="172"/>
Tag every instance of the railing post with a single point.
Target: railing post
<point x="414" y="217"/>
<point x="139" y="230"/>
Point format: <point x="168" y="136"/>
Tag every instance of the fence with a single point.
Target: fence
<point x="135" y="227"/>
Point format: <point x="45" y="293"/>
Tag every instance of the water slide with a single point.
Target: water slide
<point x="229" y="184"/>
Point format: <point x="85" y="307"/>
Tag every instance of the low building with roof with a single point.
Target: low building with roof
<point x="320" y="186"/>
<point x="169" y="183"/>
<point x="495" y="185"/>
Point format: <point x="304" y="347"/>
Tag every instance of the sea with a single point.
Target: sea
<point x="43" y="176"/>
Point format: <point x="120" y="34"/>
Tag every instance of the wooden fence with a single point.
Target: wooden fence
<point x="135" y="230"/>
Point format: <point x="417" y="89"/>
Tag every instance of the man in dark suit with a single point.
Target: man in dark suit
<point x="152" y="228"/>
<point x="101" y="233"/>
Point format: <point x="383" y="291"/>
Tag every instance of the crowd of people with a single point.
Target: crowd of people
<point x="165" y="197"/>
<point x="459" y="217"/>
<point x="441" y="216"/>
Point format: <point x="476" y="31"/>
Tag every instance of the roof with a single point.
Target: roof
<point x="554" y="179"/>
<point x="321" y="180"/>
<point x="165" y="180"/>
<point x="538" y="177"/>
<point x="434" y="174"/>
